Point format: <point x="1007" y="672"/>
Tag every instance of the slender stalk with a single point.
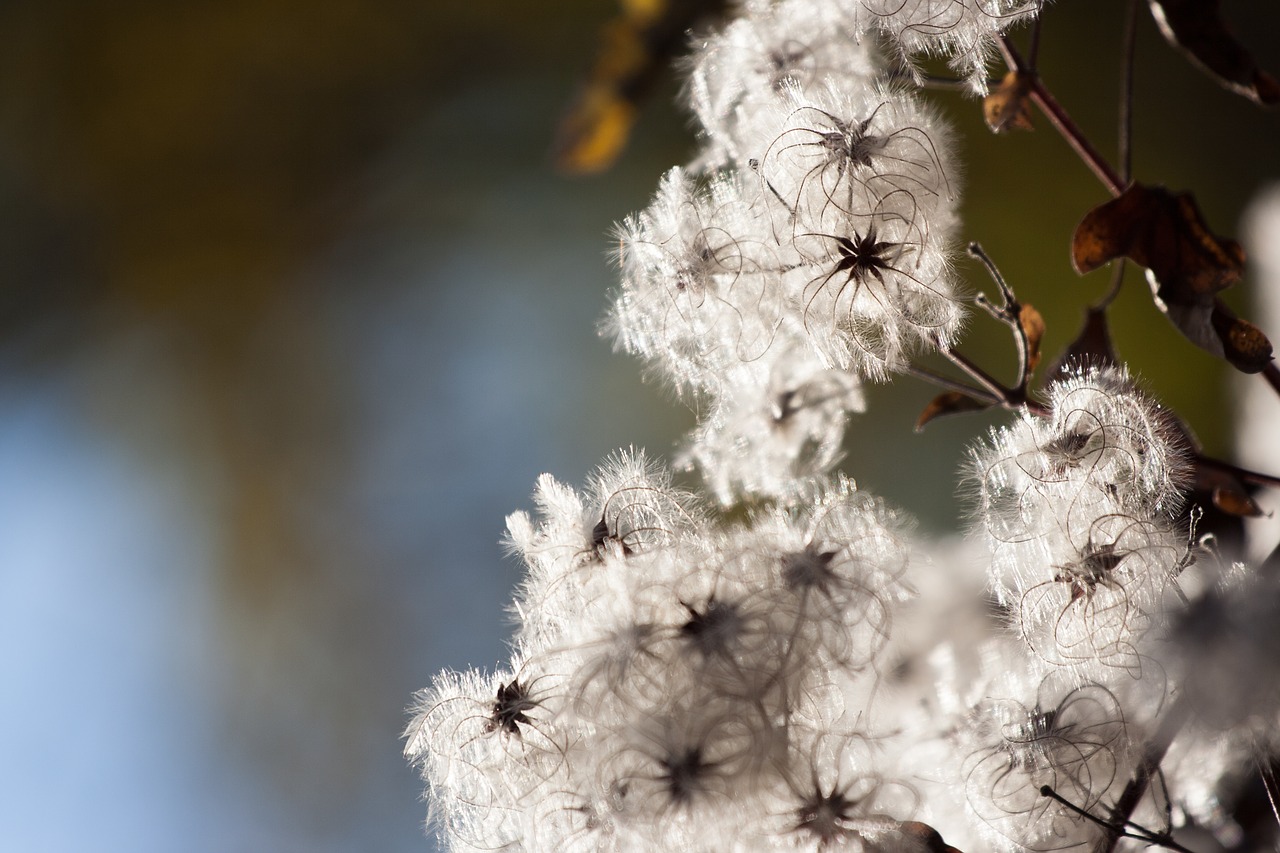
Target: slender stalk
<point x="935" y="378"/>
<point x="1153" y="753"/>
<point x="1058" y="117"/>
<point x="1125" y="124"/>
<point x="1126" y="91"/>
<point x="1010" y="313"/>
<point x="1137" y="831"/>
<point x="1033" y="49"/>
<point x="1063" y="122"/>
<point x="1258" y="479"/>
<point x="1271" y="373"/>
<point x="1009" y="398"/>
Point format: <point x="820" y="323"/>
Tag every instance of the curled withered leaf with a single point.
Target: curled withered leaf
<point x="1227" y="491"/>
<point x="1164" y="232"/>
<point x="1243" y="344"/>
<point x="1237" y="503"/>
<point x="1091" y="346"/>
<point x="949" y="403"/>
<point x="1196" y="28"/>
<point x="929" y="839"/>
<point x="1210" y="325"/>
<point x="1033" y="327"/>
<point x="635" y="48"/>
<point x="1009" y="105"/>
<point x="1187" y="266"/>
<point x="1206" y="480"/>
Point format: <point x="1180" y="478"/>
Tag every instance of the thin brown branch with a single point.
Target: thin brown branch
<point x="1063" y="122"/>
<point x="1126" y="91"/>
<point x="935" y="378"/>
<point x="1258" y="479"/>
<point x="1009" y="398"/>
<point x="1033" y="49"/>
<point x="1271" y="373"/>
<point x="1117" y="280"/>
<point x="1153" y="752"/>
<point x="1010" y="313"/>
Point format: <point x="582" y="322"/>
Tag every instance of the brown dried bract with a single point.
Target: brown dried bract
<point x="1236" y="502"/>
<point x="1164" y="232"/>
<point x="1188" y="265"/>
<point x="926" y="836"/>
<point x="1243" y="344"/>
<point x="1227" y="491"/>
<point x="1009" y="105"/>
<point x="1033" y="327"/>
<point x="1196" y="28"/>
<point x="1091" y="346"/>
<point x="949" y="403"/>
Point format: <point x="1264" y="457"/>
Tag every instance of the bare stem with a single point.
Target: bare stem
<point x="1063" y="122"/>
<point x="956" y="385"/>
<point x="1033" y="49"/>
<point x="1271" y="373"/>
<point x="1126" y="91"/>
<point x="1244" y="474"/>
<point x="1009" y="398"/>
<point x="1138" y="831"/>
<point x="1153" y="753"/>
<point x="1010" y="313"/>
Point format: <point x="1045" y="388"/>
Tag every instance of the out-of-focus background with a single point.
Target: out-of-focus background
<point x="293" y="310"/>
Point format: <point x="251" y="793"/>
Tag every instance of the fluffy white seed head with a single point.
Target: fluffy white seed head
<point x="865" y="150"/>
<point x="766" y="434"/>
<point x="1106" y="449"/>
<point x="700" y="275"/>
<point x="687" y="684"/>
<point x="842" y="238"/>
<point x="629" y="508"/>
<point x="1075" y="508"/>
<point x="1073" y="739"/>
<point x="746" y="70"/>
<point x="965" y="31"/>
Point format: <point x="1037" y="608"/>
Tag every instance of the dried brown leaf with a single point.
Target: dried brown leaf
<point x="1196" y="28"/>
<point x="1164" y="232"/>
<point x="1009" y="104"/>
<point x="1243" y="344"/>
<point x="1237" y="503"/>
<point x="1227" y="491"/>
<point x="1091" y="346"/>
<point x="1187" y="266"/>
<point x="1107" y="231"/>
<point x="1033" y="327"/>
<point x="930" y="839"/>
<point x="949" y="403"/>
